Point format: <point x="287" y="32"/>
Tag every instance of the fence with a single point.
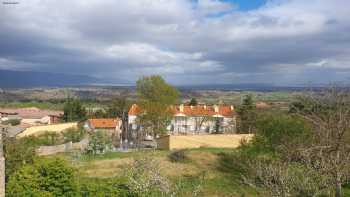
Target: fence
<point x="63" y="148"/>
<point x="197" y="141"/>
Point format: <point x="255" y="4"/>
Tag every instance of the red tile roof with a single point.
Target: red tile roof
<point x="104" y="123"/>
<point x="134" y="110"/>
<point x="203" y="110"/>
<point x="198" y="110"/>
<point x="30" y="112"/>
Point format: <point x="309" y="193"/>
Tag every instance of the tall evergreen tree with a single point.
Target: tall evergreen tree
<point x="193" y="102"/>
<point x="73" y="110"/>
<point x="247" y="114"/>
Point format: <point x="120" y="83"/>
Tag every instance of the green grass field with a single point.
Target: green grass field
<point x="211" y="167"/>
<point x="206" y="166"/>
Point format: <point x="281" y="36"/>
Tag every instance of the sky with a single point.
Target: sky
<point x="188" y="42"/>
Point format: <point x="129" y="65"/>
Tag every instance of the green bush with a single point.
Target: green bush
<point x="19" y="152"/>
<point x="73" y="135"/>
<point x="103" y="187"/>
<point x="178" y="155"/>
<point x="144" y="178"/>
<point x="73" y="110"/>
<point x="12" y="122"/>
<point x="50" y="177"/>
<point x="272" y="159"/>
<point x="280" y="133"/>
<point x="49" y="139"/>
<point x="99" y="143"/>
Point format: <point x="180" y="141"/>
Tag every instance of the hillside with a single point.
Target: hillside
<point x="206" y="168"/>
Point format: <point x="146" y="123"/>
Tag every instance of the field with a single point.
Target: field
<point x="206" y="166"/>
<point x="99" y="97"/>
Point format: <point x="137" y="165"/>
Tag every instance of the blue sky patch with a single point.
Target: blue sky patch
<point x="246" y="5"/>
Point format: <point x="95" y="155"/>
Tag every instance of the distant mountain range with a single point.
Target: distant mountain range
<point x="26" y="79"/>
<point x="32" y="79"/>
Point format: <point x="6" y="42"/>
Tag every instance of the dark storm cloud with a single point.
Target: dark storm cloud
<point x="283" y="42"/>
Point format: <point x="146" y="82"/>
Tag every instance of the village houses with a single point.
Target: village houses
<point x="109" y="126"/>
<point x="30" y="116"/>
<point x="198" y="119"/>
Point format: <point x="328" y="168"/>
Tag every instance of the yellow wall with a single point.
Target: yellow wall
<point x="197" y="141"/>
<point x="37" y="130"/>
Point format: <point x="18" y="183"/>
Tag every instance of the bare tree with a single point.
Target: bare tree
<point x="144" y="177"/>
<point x="201" y="120"/>
<point x="329" y="150"/>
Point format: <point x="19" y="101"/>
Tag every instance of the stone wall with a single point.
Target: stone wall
<point x="63" y="148"/>
<point x="37" y="130"/>
<point x="197" y="141"/>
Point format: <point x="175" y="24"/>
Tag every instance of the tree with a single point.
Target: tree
<point x="271" y="159"/>
<point x="99" y="142"/>
<point x="117" y="107"/>
<point x="321" y="148"/>
<point x="281" y="134"/>
<point x="73" y="134"/>
<point x="18" y="152"/>
<point x="99" y="113"/>
<point x="193" y="102"/>
<point x="329" y="151"/>
<point x="200" y="120"/>
<point x="145" y="179"/>
<point x="247" y="114"/>
<point x="217" y="126"/>
<point x="155" y="97"/>
<point x="50" y="177"/>
<point x="73" y="110"/>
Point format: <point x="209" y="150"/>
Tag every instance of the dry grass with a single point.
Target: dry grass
<point x="105" y="168"/>
<point x="115" y="167"/>
<point x="201" y="162"/>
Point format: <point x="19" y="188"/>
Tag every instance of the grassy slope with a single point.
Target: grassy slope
<point x="204" y="165"/>
<point x="207" y="164"/>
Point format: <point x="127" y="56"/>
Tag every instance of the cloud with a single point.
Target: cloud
<point x="213" y="7"/>
<point x="204" y="41"/>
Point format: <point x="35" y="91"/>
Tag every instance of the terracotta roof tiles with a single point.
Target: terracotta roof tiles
<point x="198" y="110"/>
<point x="104" y="123"/>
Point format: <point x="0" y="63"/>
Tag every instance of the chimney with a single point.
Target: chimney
<point x="181" y="108"/>
<point x="216" y="109"/>
<point x="232" y="108"/>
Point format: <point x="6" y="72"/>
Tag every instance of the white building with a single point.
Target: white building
<point x="199" y="119"/>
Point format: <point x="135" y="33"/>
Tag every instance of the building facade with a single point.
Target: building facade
<point x="31" y="116"/>
<point x="199" y="119"/>
<point x="109" y="126"/>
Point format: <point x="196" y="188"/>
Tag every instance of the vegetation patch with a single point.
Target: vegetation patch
<point x="178" y="155"/>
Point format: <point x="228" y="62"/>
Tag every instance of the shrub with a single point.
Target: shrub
<point x="103" y="187"/>
<point x="19" y="152"/>
<point x="12" y="122"/>
<point x="178" y="155"/>
<point x="73" y="135"/>
<point x="53" y="177"/>
<point x="272" y="159"/>
<point x="49" y="138"/>
<point x="73" y="110"/>
<point x="145" y="179"/>
<point x="99" y="143"/>
<point x="281" y="133"/>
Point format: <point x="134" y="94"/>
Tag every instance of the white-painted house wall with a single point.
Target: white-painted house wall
<point x="182" y="124"/>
